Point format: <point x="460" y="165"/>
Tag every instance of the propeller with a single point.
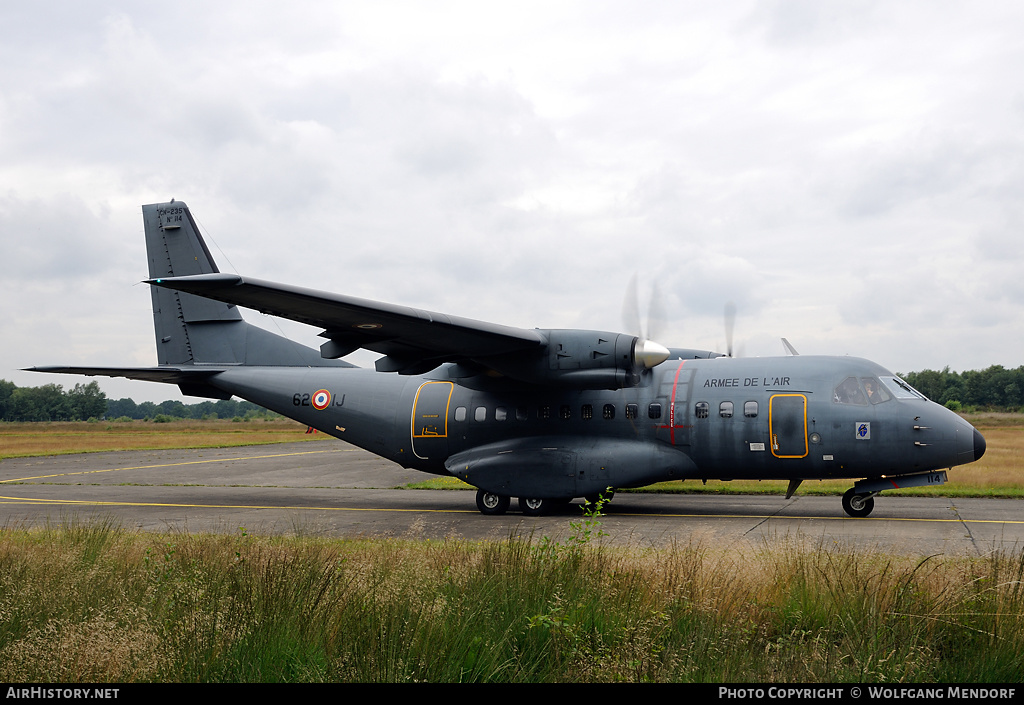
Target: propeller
<point x="730" y="325"/>
<point x="647" y="353"/>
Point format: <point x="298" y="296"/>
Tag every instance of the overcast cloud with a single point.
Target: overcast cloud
<point x="850" y="174"/>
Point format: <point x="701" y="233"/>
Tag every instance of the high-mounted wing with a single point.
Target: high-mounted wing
<point x="198" y="338"/>
<point x="412" y="340"/>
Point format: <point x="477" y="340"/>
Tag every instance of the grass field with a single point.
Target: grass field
<point x="95" y="603"/>
<point x="18" y="440"/>
<point x="1000" y="473"/>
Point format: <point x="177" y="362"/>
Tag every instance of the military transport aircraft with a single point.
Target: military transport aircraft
<point x="542" y="415"/>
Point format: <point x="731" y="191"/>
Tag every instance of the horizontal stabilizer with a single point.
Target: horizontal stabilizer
<point x="191" y="381"/>
<point x="166" y="375"/>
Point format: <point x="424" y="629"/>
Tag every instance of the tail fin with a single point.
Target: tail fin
<point x="183" y="321"/>
<point x="191" y="329"/>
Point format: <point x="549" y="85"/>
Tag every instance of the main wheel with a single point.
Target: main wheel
<point x="490" y="503"/>
<point x="532" y="507"/>
<point x="857" y="505"/>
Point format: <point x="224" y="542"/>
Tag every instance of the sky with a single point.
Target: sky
<point x="849" y="175"/>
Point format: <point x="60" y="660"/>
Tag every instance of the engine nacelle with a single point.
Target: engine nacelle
<point x="583" y="360"/>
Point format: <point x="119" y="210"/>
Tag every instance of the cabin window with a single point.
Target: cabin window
<point x="522" y="413"/>
<point x="750" y="409"/>
<point x="631" y="411"/>
<point x="725" y="409"/>
<point x="565" y="411"/>
<point x="587" y="411"/>
<point x="654" y="411"/>
<point x="500" y="414"/>
<point x="460" y="413"/>
<point x="480" y="414"/>
<point x="608" y="412"/>
<point x="544" y="412"/>
<point x="701" y="410"/>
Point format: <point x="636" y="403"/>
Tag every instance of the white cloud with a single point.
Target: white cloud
<point x="848" y="173"/>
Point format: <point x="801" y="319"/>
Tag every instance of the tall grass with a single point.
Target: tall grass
<point x="92" y="602"/>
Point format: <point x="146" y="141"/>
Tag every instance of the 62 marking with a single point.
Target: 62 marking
<point x="319" y="400"/>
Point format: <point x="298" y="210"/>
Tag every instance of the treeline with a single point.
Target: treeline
<point x="222" y="409"/>
<point x="50" y="402"/>
<point x="993" y="389"/>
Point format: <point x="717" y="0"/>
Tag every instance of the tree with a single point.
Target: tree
<point x="6" y="390"/>
<point x="87" y="401"/>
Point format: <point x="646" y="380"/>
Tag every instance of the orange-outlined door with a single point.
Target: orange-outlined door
<point x="430" y="419"/>
<point x="787" y="419"/>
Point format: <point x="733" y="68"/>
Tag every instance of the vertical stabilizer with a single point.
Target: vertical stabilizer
<point x="191" y="329"/>
<point x="175" y="249"/>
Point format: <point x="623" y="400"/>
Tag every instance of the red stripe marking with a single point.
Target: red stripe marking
<point x="672" y="405"/>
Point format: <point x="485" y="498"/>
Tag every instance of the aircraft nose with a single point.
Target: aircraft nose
<point x="979" y="445"/>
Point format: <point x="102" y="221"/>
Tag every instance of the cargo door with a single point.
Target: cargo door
<point x="430" y="420"/>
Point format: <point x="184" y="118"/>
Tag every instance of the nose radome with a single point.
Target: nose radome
<point x="979" y="445"/>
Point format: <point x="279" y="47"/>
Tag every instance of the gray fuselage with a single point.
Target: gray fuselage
<point x="720" y="418"/>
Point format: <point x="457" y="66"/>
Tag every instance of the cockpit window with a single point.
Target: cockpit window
<point x="875" y="391"/>
<point x="849" y="392"/>
<point x="902" y="390"/>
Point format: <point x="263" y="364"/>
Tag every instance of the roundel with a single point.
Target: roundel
<point x="321" y="399"/>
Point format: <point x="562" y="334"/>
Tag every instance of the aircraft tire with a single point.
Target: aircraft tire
<point x="535" y="507"/>
<point x="857" y="505"/>
<point x="491" y="504"/>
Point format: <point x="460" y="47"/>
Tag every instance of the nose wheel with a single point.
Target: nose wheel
<point x="858" y="505"/>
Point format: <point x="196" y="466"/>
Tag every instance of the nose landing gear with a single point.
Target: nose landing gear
<point x="859" y="500"/>
<point x="858" y="505"/>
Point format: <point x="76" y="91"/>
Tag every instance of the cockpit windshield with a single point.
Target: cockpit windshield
<point x="861" y="392"/>
<point x="902" y="390"/>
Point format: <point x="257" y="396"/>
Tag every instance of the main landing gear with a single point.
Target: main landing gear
<point x="532" y="507"/>
<point x="490" y="503"/>
<point x="495" y="504"/>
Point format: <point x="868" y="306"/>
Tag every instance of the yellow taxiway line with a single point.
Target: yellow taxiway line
<point x="101" y="503"/>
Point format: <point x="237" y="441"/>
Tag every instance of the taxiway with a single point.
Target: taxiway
<point x="331" y="488"/>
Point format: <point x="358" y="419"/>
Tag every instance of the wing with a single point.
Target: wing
<point x="412" y="340"/>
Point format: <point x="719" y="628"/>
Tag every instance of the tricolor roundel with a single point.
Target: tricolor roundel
<point x="321" y="399"/>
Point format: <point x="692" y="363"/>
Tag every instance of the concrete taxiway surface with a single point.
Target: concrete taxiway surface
<point x="331" y="488"/>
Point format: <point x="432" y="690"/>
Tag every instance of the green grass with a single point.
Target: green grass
<point x="89" y="602"/>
